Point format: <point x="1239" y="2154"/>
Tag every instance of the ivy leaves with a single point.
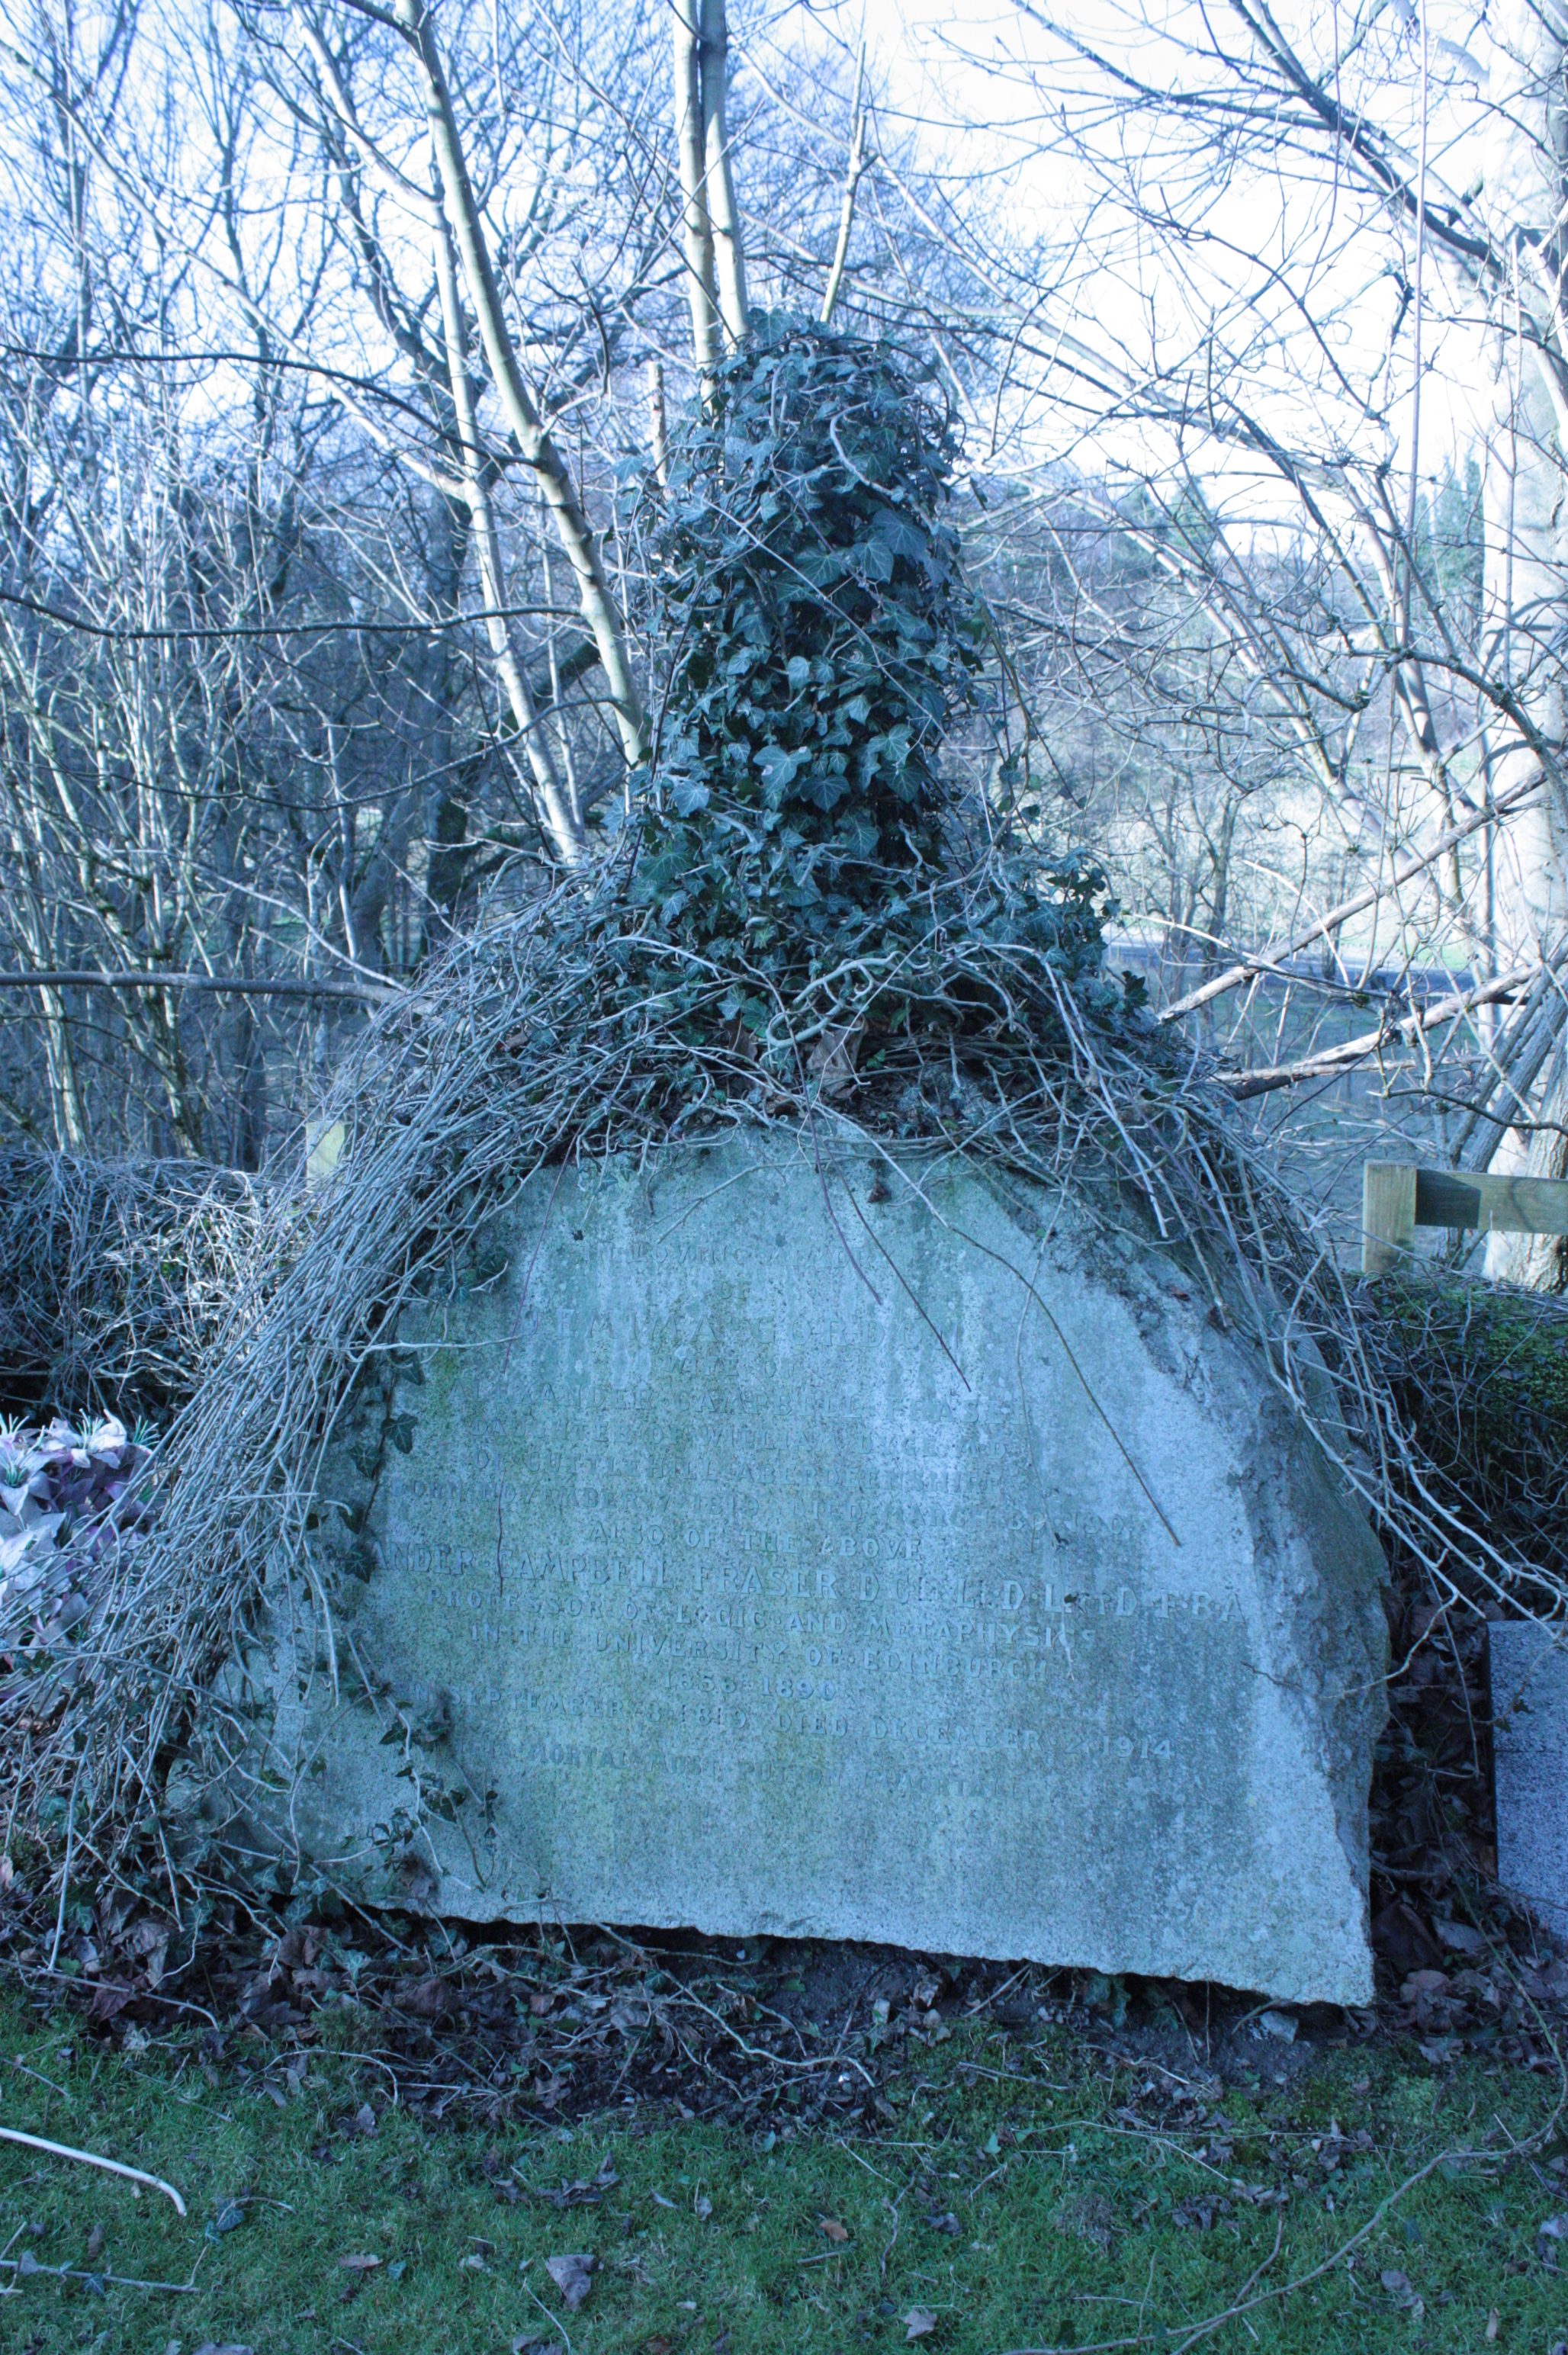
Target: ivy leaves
<point x="822" y="644"/>
<point x="823" y="641"/>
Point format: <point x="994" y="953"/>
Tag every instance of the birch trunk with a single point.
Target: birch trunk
<point x="723" y="215"/>
<point x="560" y="819"/>
<point x="1526" y="561"/>
<point x="71" y="1133"/>
<point x="534" y="438"/>
<point x="697" y="226"/>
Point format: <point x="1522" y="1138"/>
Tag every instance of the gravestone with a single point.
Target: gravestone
<point x="871" y="1552"/>
<point x="1529" y="1759"/>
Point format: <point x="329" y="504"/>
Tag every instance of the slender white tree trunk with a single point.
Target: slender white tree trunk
<point x="1523" y="590"/>
<point x="534" y="438"/>
<point x="71" y="1132"/>
<point x="1526" y="576"/>
<point x="729" y="258"/>
<point x="702" y="292"/>
<point x="715" y="259"/>
<point x="560" y="817"/>
<point x="851" y="182"/>
<point x="659" y="422"/>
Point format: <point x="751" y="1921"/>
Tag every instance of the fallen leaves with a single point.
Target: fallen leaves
<point x="428" y="1998"/>
<point x="582" y="2193"/>
<point x="358" y="2264"/>
<point x="1546" y="2235"/>
<point x="919" y="2322"/>
<point x="1400" y="2287"/>
<point x="836" y="2231"/>
<point x="1422" y="1986"/>
<point x="1197" y="2215"/>
<point x="229" y="2216"/>
<point x="573" y="2278"/>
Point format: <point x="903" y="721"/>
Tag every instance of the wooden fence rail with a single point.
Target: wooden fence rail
<point x="1396" y="1199"/>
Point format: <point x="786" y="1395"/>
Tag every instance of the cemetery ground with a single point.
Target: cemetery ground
<point x="388" y="2144"/>
<point x="775" y="2146"/>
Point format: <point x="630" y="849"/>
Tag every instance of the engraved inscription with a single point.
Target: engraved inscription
<point x="942" y="1605"/>
<point x="736" y="1598"/>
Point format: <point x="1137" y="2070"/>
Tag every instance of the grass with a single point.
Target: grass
<point x="1021" y="2193"/>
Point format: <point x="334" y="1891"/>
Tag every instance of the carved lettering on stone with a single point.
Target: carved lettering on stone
<point x="749" y="1596"/>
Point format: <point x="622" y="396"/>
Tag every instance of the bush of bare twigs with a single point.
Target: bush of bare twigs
<point x="116" y="1279"/>
<point x="1480" y="1374"/>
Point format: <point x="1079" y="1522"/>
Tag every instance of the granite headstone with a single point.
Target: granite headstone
<point x="1529" y="1760"/>
<point x="866" y="1550"/>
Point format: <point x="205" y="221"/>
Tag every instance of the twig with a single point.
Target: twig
<point x="1241" y="1086"/>
<point x="1269" y="959"/>
<point x="773" y="2060"/>
<point x="554" y="2322"/>
<point x="65" y="1868"/>
<point x="1244" y="2305"/>
<point x="363" y="993"/>
<point x="1287" y="2289"/>
<point x="19" y="2063"/>
<point x="91" y="2159"/>
<point x="34" y="2271"/>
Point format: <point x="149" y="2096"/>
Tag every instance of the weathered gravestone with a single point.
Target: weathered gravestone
<point x="774" y="1552"/>
<point x="1529" y="1757"/>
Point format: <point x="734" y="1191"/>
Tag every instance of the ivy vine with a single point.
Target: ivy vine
<point x="821" y="641"/>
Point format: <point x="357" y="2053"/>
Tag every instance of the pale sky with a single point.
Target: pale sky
<point x="954" y="67"/>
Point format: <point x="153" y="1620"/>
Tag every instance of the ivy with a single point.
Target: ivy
<point x="821" y="642"/>
<point x="817" y="643"/>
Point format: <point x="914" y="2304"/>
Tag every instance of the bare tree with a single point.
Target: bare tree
<point x="454" y="217"/>
<point x="1303" y="241"/>
<point x="313" y="320"/>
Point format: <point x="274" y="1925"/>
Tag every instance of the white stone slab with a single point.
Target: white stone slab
<point x="1529" y="1759"/>
<point x="780" y="1555"/>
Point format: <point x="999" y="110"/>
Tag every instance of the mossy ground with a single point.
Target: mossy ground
<point x="1026" y="2191"/>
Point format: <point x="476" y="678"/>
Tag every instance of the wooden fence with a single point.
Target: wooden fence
<point x="1397" y="1199"/>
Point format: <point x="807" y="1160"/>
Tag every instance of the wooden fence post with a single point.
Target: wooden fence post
<point x="1388" y="1215"/>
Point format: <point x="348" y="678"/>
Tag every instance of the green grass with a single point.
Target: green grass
<point x="1077" y="2200"/>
